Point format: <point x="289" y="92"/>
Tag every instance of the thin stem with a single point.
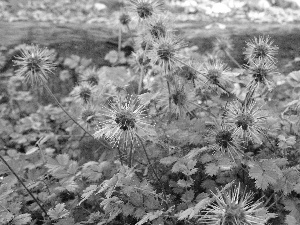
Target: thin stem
<point x="119" y="41"/>
<point x="19" y="179"/>
<point x="169" y="91"/>
<point x="219" y="85"/>
<point x="141" y="79"/>
<point x="142" y="70"/>
<point x="130" y="33"/>
<point x="57" y="102"/>
<point x="120" y="155"/>
<point x="233" y="60"/>
<point x="150" y="164"/>
<point x="130" y="154"/>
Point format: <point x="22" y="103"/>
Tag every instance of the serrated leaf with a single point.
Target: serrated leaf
<point x="265" y="173"/>
<point x="69" y="185"/>
<point x="139" y="213"/>
<point x="94" y="170"/>
<point x="62" y="167"/>
<point x="128" y="209"/>
<point x="145" y="98"/>
<point x="288" y="182"/>
<point x="188" y="196"/>
<point x="22" y="219"/>
<point x="32" y="150"/>
<point x="211" y="169"/>
<point x="168" y="160"/>
<point x="291" y="220"/>
<point x="193" y="211"/>
<point x="5" y="216"/>
<point x="58" y="212"/>
<point x="88" y="192"/>
<point x="185" y="183"/>
<point x="191" y="164"/>
<point x="179" y="166"/>
<point x="57" y="164"/>
<point x="149" y="217"/>
<point x="66" y="221"/>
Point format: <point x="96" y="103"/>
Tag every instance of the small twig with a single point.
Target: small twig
<point x="142" y="70"/>
<point x="218" y="84"/>
<point x="150" y="164"/>
<point x="119" y="41"/>
<point x="65" y="111"/>
<point x="130" y="33"/>
<point x="233" y="60"/>
<point x="19" y="179"/>
<point x="130" y="154"/>
<point x="141" y="79"/>
<point x="169" y="91"/>
<point x="120" y="155"/>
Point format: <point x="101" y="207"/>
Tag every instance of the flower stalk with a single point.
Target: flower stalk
<point x="65" y="111"/>
<point x="22" y="183"/>
<point x="219" y="85"/>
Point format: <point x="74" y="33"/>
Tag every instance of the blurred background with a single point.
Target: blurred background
<point x="84" y="32"/>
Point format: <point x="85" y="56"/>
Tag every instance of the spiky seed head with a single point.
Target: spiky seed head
<point x="35" y="64"/>
<point x="83" y="92"/>
<point x="88" y="115"/>
<point x="263" y="71"/>
<point x="145" y="8"/>
<point x="247" y="120"/>
<point x="235" y="207"/>
<point x="123" y="121"/>
<point x="222" y="44"/>
<point x="139" y="61"/>
<point x="224" y="139"/>
<point x="158" y="27"/>
<point x="157" y="30"/>
<point x="179" y="97"/>
<point x="187" y="73"/>
<point x="124" y="19"/>
<point x="166" y="52"/>
<point x="143" y="42"/>
<point x="215" y="73"/>
<point x="261" y="48"/>
<point x="91" y="76"/>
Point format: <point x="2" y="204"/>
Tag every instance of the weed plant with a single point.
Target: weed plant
<point x="184" y="141"/>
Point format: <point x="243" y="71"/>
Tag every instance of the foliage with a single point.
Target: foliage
<point x="181" y="142"/>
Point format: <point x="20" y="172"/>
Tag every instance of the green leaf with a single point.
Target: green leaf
<point x="185" y="183"/>
<point x="168" y="160"/>
<point x="128" y="209"/>
<point x="62" y="167"/>
<point x="94" y="170"/>
<point x="211" y="169"/>
<point x="293" y="206"/>
<point x="288" y="182"/>
<point x="146" y="98"/>
<point x="265" y="173"/>
<point x="149" y="217"/>
<point x="5" y="216"/>
<point x="88" y="192"/>
<point x="193" y="211"/>
<point x="291" y="220"/>
<point x="188" y="196"/>
<point x="58" y="212"/>
<point x="66" y="221"/>
<point x="22" y="219"/>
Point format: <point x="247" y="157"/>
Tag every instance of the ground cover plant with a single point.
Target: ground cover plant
<point x="172" y="139"/>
